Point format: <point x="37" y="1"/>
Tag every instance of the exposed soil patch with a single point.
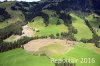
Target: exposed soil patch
<point x="36" y="45"/>
<point x="27" y="31"/>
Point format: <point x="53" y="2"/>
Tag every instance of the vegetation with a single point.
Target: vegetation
<point x="12" y="38"/>
<point x="85" y="53"/>
<point x="50" y="29"/>
<point x="5" y="46"/>
<point x="82" y="30"/>
<point x="8" y="15"/>
<point x="19" y="57"/>
<point x="3" y="15"/>
<point x="50" y="20"/>
<point x="94" y="21"/>
<point x="15" y="28"/>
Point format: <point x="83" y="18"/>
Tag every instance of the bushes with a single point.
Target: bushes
<point x="57" y="35"/>
<point x="71" y="37"/>
<point x="63" y="34"/>
<point x="42" y="37"/>
<point x="84" y="40"/>
<point x="97" y="44"/>
<point x="52" y="36"/>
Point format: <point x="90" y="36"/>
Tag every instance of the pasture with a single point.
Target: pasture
<point x="82" y="29"/>
<point x="85" y="56"/>
<point x="19" y="57"/>
<point x="94" y="22"/>
<point x="52" y="28"/>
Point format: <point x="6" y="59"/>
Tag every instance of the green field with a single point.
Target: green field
<point x="52" y="28"/>
<point x="81" y="51"/>
<point x="82" y="28"/>
<point x="54" y="50"/>
<point x="19" y="57"/>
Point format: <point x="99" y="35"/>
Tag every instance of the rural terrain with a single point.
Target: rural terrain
<point x="50" y="33"/>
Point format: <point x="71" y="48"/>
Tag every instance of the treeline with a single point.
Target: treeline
<point x="5" y="46"/>
<point x="15" y="28"/>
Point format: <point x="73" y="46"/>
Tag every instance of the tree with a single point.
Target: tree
<point x="57" y="34"/>
<point x="97" y="44"/>
<point x="84" y="40"/>
<point x="58" y="22"/>
<point x="52" y="36"/>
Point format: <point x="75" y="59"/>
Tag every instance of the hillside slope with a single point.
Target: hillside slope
<point x="16" y="14"/>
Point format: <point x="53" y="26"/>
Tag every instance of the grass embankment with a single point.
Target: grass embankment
<point x="12" y="38"/>
<point x="82" y="29"/>
<point x="19" y="57"/>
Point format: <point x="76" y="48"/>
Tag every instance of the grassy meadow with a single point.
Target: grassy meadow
<point x="94" y="22"/>
<point x="52" y="28"/>
<point x="80" y="52"/>
<point x="19" y="57"/>
<point x="82" y="29"/>
<point x="84" y="54"/>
